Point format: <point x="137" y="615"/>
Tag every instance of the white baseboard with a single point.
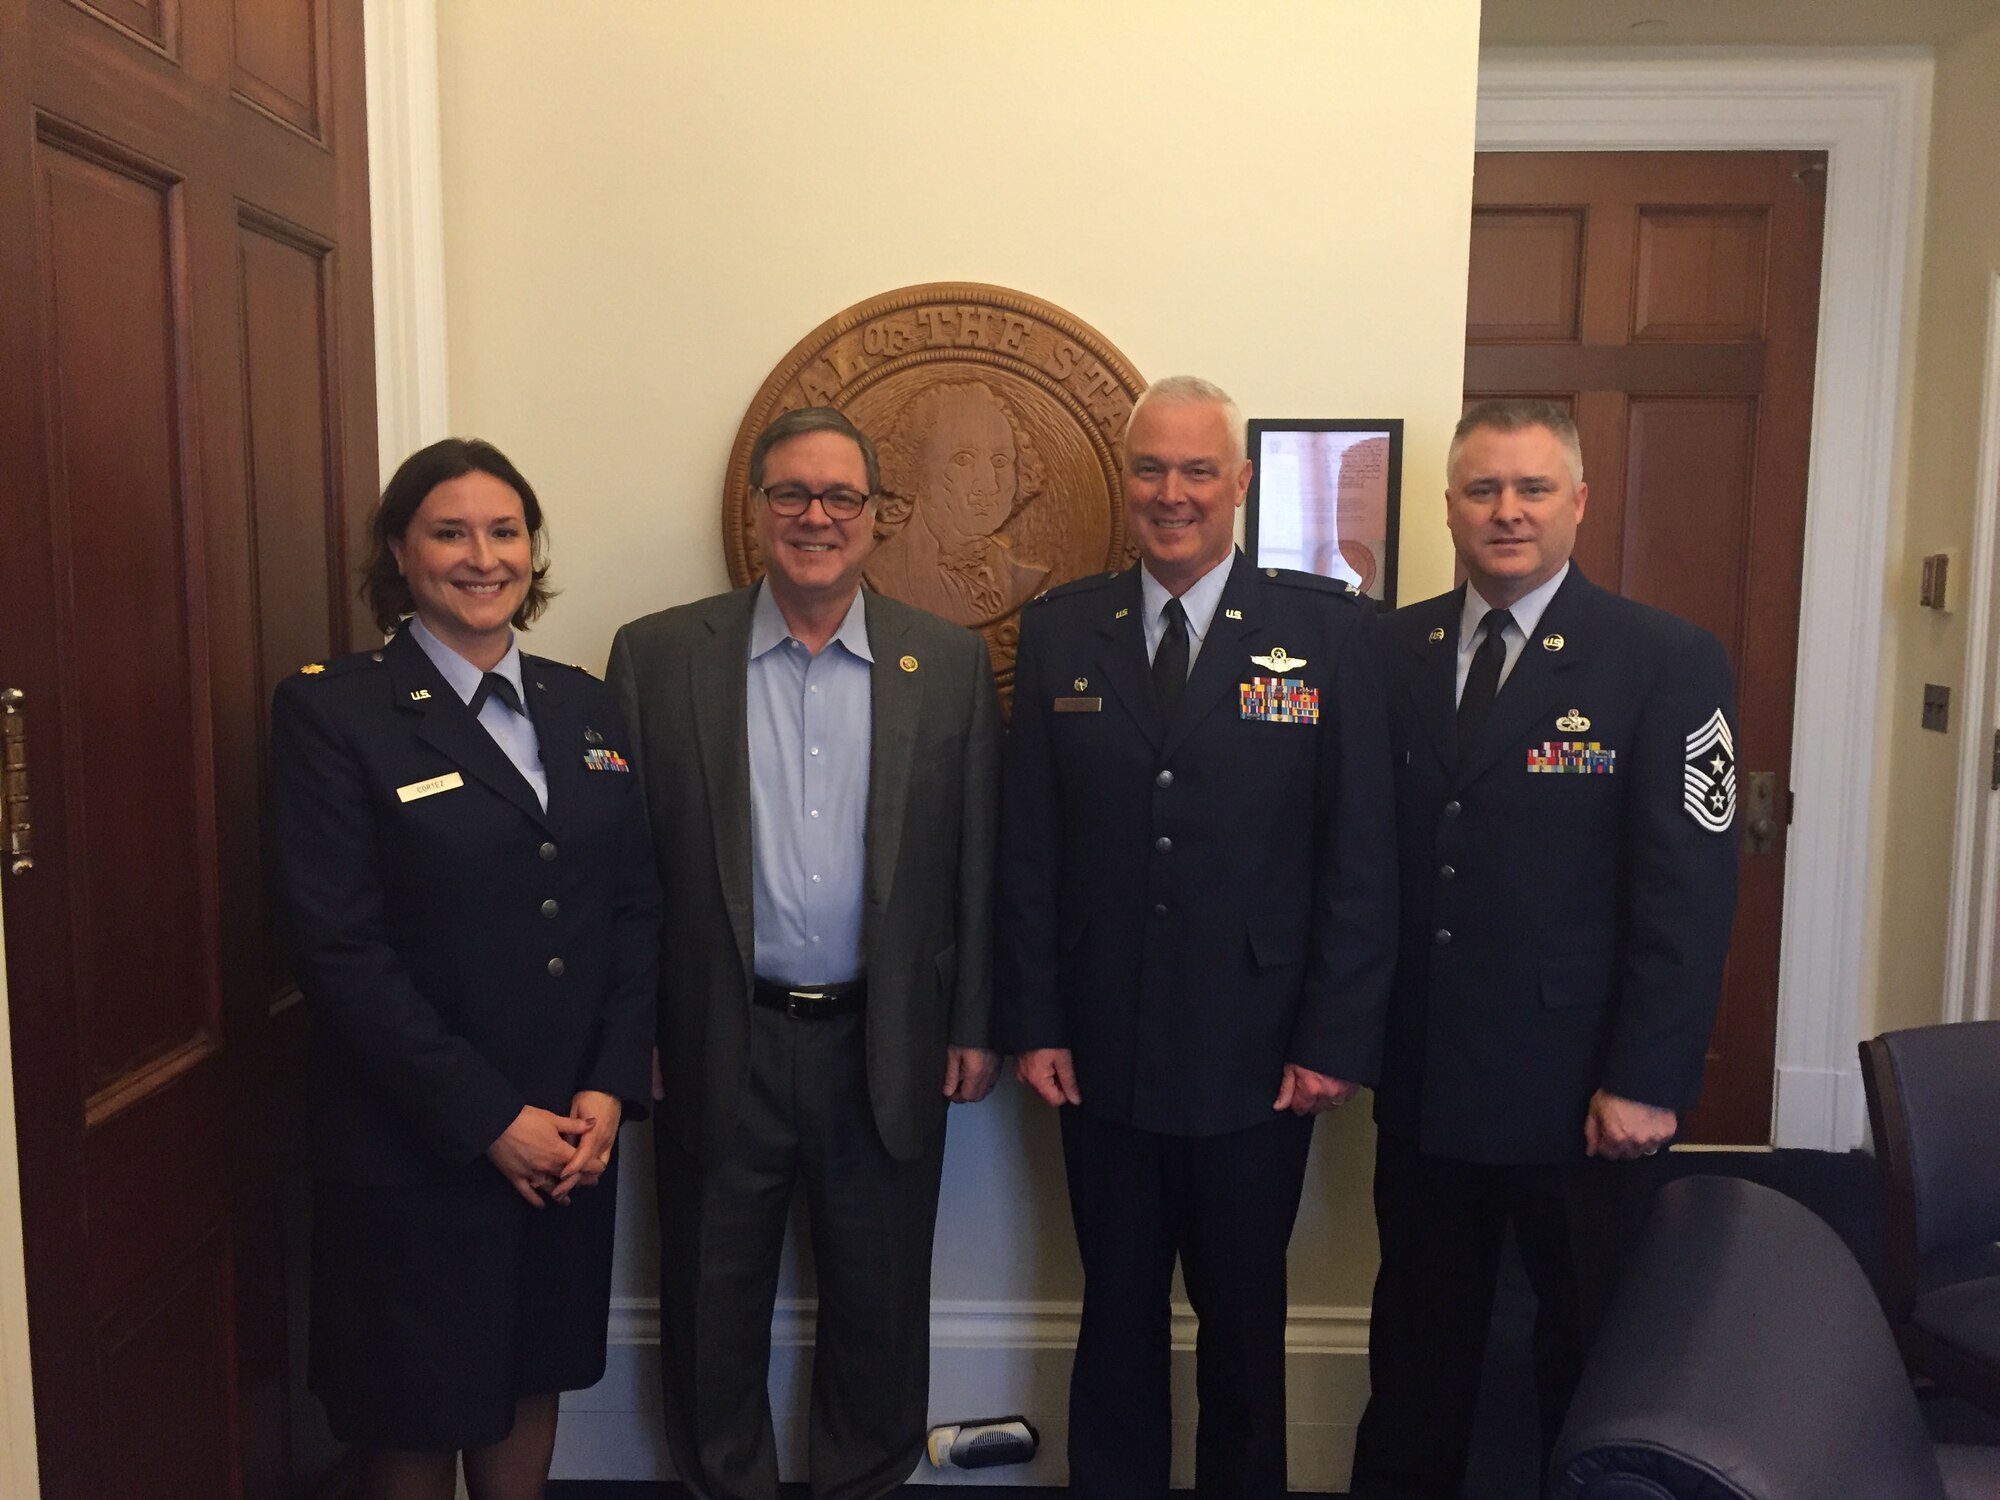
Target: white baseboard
<point x="1820" y="1109"/>
<point x="987" y="1359"/>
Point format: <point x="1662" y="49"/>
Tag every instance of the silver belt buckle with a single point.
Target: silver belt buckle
<point x="794" y="997"/>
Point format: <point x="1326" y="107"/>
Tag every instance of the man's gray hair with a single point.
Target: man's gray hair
<point x="1517" y="414"/>
<point x="1192" y="390"/>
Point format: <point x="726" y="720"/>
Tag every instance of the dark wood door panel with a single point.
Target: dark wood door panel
<point x="186" y="420"/>
<point x="1696" y="280"/>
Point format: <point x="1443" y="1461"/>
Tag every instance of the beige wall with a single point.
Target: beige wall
<point x="1961" y="252"/>
<point x="17" y="1408"/>
<point x="646" y="206"/>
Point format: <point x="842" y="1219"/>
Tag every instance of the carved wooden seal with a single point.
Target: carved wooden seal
<point x="999" y="421"/>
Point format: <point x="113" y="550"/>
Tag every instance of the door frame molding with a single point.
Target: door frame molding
<point x="1975" y="847"/>
<point x="1871" y="115"/>
<point x="406" y="227"/>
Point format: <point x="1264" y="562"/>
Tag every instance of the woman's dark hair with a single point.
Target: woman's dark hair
<point x="382" y="583"/>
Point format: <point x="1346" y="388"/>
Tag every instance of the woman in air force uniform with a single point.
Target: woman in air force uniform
<point x="461" y="845"/>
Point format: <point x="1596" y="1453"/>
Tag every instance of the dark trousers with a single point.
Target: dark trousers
<point x="1224" y="1205"/>
<point x="1442" y="1223"/>
<point x="805" y="1118"/>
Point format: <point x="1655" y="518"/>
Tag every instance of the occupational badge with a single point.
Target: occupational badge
<point x="1709" y="775"/>
<point x="1572" y="723"/>
<point x="591" y="736"/>
<point x="1279" y="661"/>
<point x="1278" y="700"/>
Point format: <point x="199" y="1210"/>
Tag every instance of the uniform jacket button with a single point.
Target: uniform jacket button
<point x="556" y="967"/>
<point x="1445" y="872"/>
<point x="547" y="851"/>
<point x="1163" y="845"/>
<point x="1443" y="938"/>
<point x="1452" y="809"/>
<point x="1165" y="778"/>
<point x="549" y="908"/>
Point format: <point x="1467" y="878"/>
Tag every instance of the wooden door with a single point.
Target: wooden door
<point x="1670" y="300"/>
<point x="187" y="434"/>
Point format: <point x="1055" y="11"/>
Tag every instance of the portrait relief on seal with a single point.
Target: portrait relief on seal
<point x="999" y="421"/>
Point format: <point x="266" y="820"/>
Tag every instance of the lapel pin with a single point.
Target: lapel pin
<point x="908" y="664"/>
<point x="1121" y="614"/>
<point x="312" y="668"/>
<point x="419" y="695"/>
<point x="591" y="736"/>
<point x="1572" y="723"/>
<point x="1278" y="660"/>
<point x="1552" y="642"/>
<point x="1232" y="614"/>
<point x="1081" y="683"/>
<point x="1437" y="634"/>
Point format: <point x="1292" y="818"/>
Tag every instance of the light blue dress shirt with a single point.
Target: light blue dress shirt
<point x="513" y="732"/>
<point x="1200" y="602"/>
<point x="809" y="722"/>
<point x="1527" y="614"/>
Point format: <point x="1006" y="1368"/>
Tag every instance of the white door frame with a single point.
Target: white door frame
<point x="1871" y="114"/>
<point x="1975" y="848"/>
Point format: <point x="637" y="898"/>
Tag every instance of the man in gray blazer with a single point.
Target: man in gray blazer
<point x="820" y="773"/>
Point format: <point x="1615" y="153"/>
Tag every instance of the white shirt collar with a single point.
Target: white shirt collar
<point x="1526" y="611"/>
<point x="1200" y="601"/>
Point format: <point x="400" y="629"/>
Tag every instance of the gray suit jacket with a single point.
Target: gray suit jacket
<point x="927" y="920"/>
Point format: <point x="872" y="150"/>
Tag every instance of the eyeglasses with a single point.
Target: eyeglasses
<point x="839" y="503"/>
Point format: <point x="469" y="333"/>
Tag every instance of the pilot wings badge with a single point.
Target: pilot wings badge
<point x="1278" y="660"/>
<point x="1709" y="775"/>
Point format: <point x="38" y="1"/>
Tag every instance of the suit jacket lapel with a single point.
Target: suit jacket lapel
<point x="559" y="728"/>
<point x="1535" y="683"/>
<point x="896" y="700"/>
<point x="1432" y="681"/>
<point x="1122" y="655"/>
<point x="719" y="677"/>
<point x="444" y="723"/>
<point x="1225" y="652"/>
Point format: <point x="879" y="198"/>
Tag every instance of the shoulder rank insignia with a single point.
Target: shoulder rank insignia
<point x="1553" y="641"/>
<point x="1437" y="634"/>
<point x="313" y="668"/>
<point x="1572" y="723"/>
<point x="1279" y="660"/>
<point x="1709" y="775"/>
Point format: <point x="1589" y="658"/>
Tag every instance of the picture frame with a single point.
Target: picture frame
<point x="1326" y="497"/>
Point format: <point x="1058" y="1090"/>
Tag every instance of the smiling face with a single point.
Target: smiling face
<point x="812" y="560"/>
<point x="1513" y="508"/>
<point x="1183" y="485"/>
<point x="468" y="559"/>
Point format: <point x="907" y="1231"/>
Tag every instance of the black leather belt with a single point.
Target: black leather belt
<point x="811" y="1002"/>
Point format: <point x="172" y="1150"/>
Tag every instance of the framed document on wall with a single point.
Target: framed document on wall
<point x="1325" y="494"/>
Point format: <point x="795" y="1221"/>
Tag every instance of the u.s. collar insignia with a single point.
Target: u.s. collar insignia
<point x="1278" y="660"/>
<point x="1081" y="683"/>
<point x="1232" y="614"/>
<point x="419" y="695"/>
<point x="1552" y="641"/>
<point x="1437" y="634"/>
<point x="1121" y="614"/>
<point x="1572" y="723"/>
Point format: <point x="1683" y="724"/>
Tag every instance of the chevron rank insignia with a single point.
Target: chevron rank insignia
<point x="1709" y="775"/>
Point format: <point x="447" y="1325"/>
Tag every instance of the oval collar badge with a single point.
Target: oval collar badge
<point x="1552" y="642"/>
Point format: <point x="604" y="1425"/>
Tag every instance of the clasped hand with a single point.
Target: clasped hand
<point x="542" y="1152"/>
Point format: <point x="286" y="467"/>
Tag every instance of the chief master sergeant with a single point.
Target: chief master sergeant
<point x="1197" y="924"/>
<point x="1565" y="800"/>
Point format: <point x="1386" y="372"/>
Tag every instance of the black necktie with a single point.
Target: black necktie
<point x="1482" y="681"/>
<point x="1170" y="660"/>
<point x="493" y="685"/>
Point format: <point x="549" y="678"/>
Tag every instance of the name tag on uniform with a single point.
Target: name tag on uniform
<point x="1079" y="705"/>
<point x="451" y="781"/>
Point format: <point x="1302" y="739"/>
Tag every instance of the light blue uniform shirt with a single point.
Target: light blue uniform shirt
<point x="1200" y="602"/>
<point x="1527" y="614"/>
<point x="809" y="721"/>
<point x="513" y="732"/>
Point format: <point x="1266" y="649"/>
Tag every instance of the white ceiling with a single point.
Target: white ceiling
<point x="1702" y="23"/>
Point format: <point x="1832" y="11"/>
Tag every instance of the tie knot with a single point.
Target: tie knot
<point x="1174" y="616"/>
<point x="1497" y="622"/>
<point x="493" y="685"/>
